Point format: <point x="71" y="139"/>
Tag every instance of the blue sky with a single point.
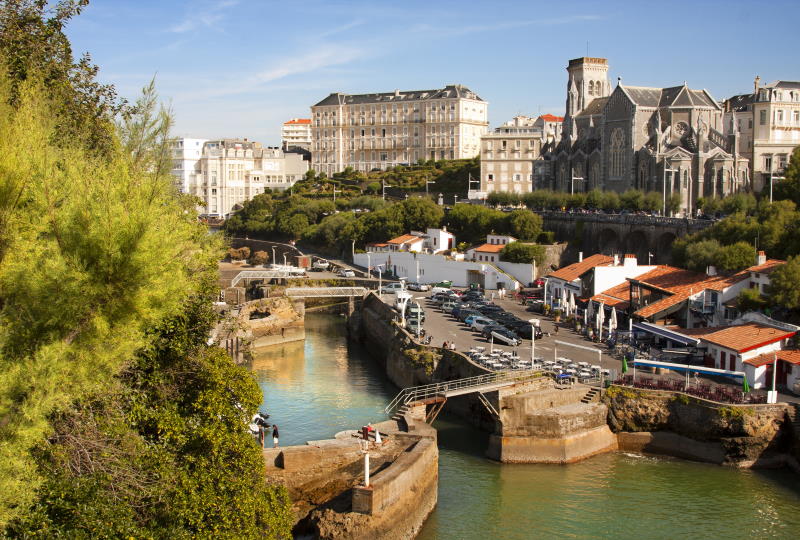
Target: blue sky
<point x="239" y="68"/>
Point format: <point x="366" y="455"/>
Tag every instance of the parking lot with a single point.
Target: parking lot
<point x="443" y="327"/>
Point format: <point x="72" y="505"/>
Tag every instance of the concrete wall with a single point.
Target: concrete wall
<point x="435" y="268"/>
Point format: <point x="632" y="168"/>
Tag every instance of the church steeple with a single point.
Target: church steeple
<point x="588" y="79"/>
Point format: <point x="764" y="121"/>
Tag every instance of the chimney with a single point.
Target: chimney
<point x="711" y="271"/>
<point x="630" y="260"/>
<point x="616" y="260"/>
<point x="755" y="84"/>
<point x="761" y="258"/>
<point x="580" y="256"/>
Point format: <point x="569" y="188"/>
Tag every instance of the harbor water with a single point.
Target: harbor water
<point x="322" y="385"/>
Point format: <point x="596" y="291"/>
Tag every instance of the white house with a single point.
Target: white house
<point x="490" y="251"/>
<point x="431" y="241"/>
<point x="430" y="268"/>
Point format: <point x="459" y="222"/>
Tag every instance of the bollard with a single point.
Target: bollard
<point x="366" y="469"/>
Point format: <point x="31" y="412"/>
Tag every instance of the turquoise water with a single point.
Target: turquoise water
<point x="315" y="388"/>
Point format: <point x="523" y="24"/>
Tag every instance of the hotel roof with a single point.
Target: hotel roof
<point x="295" y="121"/>
<point x="740" y="338"/>
<point x="449" y="91"/>
<point x="576" y="270"/>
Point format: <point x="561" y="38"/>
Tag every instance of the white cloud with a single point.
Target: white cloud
<point x="204" y="17"/>
<point x="342" y="28"/>
<point x="493" y="27"/>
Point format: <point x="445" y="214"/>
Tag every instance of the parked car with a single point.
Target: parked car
<point x="420" y="287"/>
<point x="414" y="325"/>
<point x="447" y="306"/>
<point x="469" y="318"/>
<point x="346" y="272"/>
<point x="439" y="289"/>
<point x="391" y="288"/>
<point x="321" y="264"/>
<point x="489" y="308"/>
<point x="479" y="322"/>
<point x="414" y="311"/>
<point x="507" y="337"/>
<point x="472" y="295"/>
<point x="487" y="330"/>
<point x="464" y="313"/>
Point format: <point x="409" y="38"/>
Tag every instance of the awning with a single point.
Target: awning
<point x="689" y="367"/>
<point x="666" y="333"/>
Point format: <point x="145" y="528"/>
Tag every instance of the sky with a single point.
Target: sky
<point x="240" y="68"/>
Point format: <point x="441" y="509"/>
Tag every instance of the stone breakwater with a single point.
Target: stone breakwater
<point x="325" y="482"/>
<point x="272" y="321"/>
<point x="676" y="424"/>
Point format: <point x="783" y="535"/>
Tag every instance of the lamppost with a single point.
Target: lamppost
<point x="383" y="189"/>
<point x="284" y="258"/>
<point x="664" y="187"/>
<point x="380" y="281"/>
<point x="353" y="252"/>
<point x="426" y="186"/>
<point x="534" y="324"/>
<point x="335" y="191"/>
<point x="273" y="256"/>
<point x="572" y="184"/>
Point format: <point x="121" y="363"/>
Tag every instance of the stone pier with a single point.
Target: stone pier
<point x="551" y="425"/>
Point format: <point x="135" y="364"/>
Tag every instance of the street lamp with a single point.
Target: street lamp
<point x="572" y="184"/>
<point x="273" y="256"/>
<point x="664" y="187"/>
<point x="284" y="258"/>
<point x="534" y="324"/>
<point x="426" y="186"/>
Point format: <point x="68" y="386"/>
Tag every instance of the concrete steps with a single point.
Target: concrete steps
<point x="794" y="418"/>
<point x="400" y="412"/>
<point x="592" y="395"/>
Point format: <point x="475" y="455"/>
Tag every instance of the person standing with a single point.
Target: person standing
<point x="275" y="435"/>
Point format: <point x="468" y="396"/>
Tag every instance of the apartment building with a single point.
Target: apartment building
<point x="509" y="154"/>
<point x="378" y="131"/>
<point x="767" y="122"/>
<point x="232" y="171"/>
<point x="296" y="133"/>
<point x="186" y="154"/>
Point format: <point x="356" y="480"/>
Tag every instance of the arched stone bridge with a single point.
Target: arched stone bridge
<point x="622" y="233"/>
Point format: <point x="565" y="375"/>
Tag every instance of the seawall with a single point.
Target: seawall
<point x="325" y="480"/>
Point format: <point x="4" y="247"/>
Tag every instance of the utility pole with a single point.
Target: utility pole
<point x="664" y="187"/>
<point x="383" y="189"/>
<point x="428" y="182"/>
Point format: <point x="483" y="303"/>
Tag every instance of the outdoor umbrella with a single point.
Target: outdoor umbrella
<point x="563" y="303"/>
<point x="745" y="385"/>
<point x="624" y="364"/>
<point x="572" y="303"/>
<point x="601" y="318"/>
<point x="612" y="321"/>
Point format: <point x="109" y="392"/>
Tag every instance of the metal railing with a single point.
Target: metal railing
<point x="442" y="389"/>
<point x="324" y="292"/>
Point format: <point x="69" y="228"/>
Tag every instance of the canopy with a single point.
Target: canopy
<point x="688" y="367"/>
<point x="666" y="333"/>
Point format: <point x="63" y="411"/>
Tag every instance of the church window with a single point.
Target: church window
<point x="762" y="119"/>
<point x="617" y="143"/>
<point x="591" y="88"/>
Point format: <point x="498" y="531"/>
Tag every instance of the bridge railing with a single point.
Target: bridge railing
<point x="441" y="389"/>
<point x="626" y="219"/>
<point x="324" y="292"/>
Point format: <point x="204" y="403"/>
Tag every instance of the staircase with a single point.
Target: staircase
<point x="794" y="417"/>
<point x="592" y="395"/>
<point x="400" y="413"/>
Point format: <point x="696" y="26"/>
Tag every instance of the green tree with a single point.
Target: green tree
<point x="735" y="257"/>
<point x="517" y="252"/>
<point x="296" y="226"/>
<point x="632" y="200"/>
<point x="472" y="222"/>
<point x="419" y="214"/>
<point x="653" y="202"/>
<point x="259" y="258"/>
<point x="700" y="255"/>
<point x="524" y="224"/>
<point x="789" y="187"/>
<point x="784" y="287"/>
<point x="750" y="300"/>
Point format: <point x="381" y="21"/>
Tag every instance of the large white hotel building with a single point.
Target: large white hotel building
<point x="378" y="131"/>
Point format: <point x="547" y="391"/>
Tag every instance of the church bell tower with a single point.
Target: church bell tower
<point x="588" y="79"/>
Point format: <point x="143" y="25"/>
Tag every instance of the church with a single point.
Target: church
<point x="667" y="140"/>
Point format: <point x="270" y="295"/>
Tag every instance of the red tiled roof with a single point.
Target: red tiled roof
<point x="551" y="118"/>
<point x="404" y="238"/>
<point x="682" y="284"/>
<point x="793" y="357"/>
<point x="296" y="121"/>
<point x="576" y="270"/>
<point x="767" y="267"/>
<point x="618" y="296"/>
<point x="490" y="248"/>
<point x="378" y="244"/>
<point x="740" y="338"/>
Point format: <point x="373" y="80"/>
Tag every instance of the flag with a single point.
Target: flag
<point x="745" y="385"/>
<point x="624" y="364"/>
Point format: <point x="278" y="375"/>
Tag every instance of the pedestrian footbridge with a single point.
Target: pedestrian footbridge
<point x="324" y="292"/>
<point x="263" y="274"/>
<point x="438" y="393"/>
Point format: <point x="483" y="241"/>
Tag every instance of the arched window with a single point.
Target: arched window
<point x="617" y="143"/>
<point x="591" y="88"/>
